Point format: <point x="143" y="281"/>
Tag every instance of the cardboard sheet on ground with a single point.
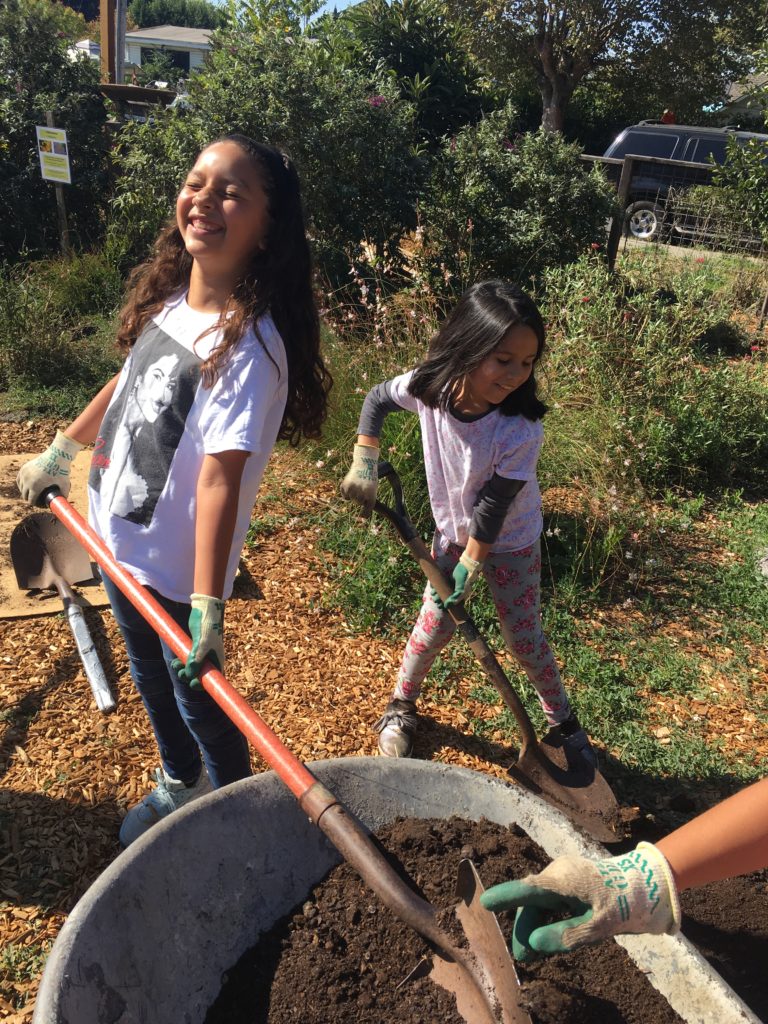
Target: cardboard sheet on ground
<point x="15" y="603"/>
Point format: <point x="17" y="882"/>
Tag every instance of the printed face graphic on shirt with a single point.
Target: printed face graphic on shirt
<point x="499" y="374"/>
<point x="143" y="427"/>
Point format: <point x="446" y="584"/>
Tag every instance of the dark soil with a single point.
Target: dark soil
<point x="340" y="957"/>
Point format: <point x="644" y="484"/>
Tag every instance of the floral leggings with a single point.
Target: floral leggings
<point x="514" y="581"/>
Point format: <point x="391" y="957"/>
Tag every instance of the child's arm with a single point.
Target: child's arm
<point x="52" y="468"/>
<point x="218" y="493"/>
<point x="362" y="480"/>
<point x="637" y="891"/>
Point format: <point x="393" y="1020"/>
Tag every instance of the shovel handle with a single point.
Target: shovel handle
<point x="398" y="516"/>
<point x="294" y="774"/>
<point x="85" y="647"/>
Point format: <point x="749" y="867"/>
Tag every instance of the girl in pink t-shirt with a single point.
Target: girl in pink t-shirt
<point x="475" y="396"/>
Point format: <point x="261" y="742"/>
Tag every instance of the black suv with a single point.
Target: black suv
<point x="646" y="216"/>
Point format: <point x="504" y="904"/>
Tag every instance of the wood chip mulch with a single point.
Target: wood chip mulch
<point x="69" y="772"/>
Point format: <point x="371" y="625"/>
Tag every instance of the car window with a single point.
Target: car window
<point x="644" y="143"/>
<point x="699" y="151"/>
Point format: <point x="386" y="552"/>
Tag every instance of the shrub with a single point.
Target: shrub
<point x="36" y="75"/>
<point x="508" y="207"/>
<point x="57" y="333"/>
<point x="350" y="136"/>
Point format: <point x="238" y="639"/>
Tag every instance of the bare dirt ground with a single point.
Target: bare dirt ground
<point x="68" y="773"/>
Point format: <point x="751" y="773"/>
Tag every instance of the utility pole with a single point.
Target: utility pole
<point x="121" y="12"/>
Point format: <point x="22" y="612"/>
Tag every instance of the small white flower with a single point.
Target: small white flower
<point x="319" y="463"/>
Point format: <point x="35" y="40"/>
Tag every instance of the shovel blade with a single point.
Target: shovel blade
<point x="503" y="997"/>
<point x="43" y="550"/>
<point x="569" y="783"/>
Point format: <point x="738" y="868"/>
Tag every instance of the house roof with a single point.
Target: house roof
<point x="172" y="35"/>
<point x="737" y="90"/>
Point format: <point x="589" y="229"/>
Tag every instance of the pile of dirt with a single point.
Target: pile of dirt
<point x="341" y="956"/>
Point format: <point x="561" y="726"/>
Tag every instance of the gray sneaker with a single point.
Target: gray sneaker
<point x="397" y="727"/>
<point x="168" y="796"/>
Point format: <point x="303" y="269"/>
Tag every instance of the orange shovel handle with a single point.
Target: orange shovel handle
<point x="294" y="774"/>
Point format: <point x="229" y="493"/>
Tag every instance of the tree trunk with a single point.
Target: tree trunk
<point x="554" y="99"/>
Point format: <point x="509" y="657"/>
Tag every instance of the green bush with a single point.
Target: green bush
<point x="508" y="207"/>
<point x="36" y="75"/>
<point x="57" y="332"/>
<point x="350" y="136"/>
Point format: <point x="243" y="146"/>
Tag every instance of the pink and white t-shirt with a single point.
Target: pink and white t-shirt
<point x="460" y="457"/>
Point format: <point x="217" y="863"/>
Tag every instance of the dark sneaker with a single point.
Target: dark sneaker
<point x="575" y="737"/>
<point x="168" y="796"/>
<point x="396" y="728"/>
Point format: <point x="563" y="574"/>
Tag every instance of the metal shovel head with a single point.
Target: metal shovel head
<point x="493" y="963"/>
<point x="567" y="781"/>
<point x="42" y="550"/>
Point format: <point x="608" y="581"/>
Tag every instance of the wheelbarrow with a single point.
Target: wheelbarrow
<point x="476" y="967"/>
<point x="45" y="554"/>
<point x="549" y="769"/>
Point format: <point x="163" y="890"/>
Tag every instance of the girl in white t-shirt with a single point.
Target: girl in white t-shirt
<point x="480" y="417"/>
<point x="221" y="334"/>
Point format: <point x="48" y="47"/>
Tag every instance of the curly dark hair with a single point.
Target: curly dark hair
<point x="278" y="281"/>
<point x="484" y="314"/>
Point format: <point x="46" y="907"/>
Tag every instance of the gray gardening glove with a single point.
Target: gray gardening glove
<point x="362" y="481"/>
<point x="632" y="893"/>
<point x="51" y="469"/>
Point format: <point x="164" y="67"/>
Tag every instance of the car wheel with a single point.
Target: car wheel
<point x="644" y="220"/>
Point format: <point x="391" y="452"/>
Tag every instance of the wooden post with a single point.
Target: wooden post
<point x="107" y="23"/>
<point x="617" y="222"/>
<point x="60" y="206"/>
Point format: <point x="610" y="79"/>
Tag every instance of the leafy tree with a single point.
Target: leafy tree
<point x="36" y="75"/>
<point x="350" y="135"/>
<point x="428" y="53"/>
<point x="190" y="13"/>
<point x="672" y="53"/>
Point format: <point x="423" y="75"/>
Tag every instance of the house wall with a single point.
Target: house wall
<point x="196" y="57"/>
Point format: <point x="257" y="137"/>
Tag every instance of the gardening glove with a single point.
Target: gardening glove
<point x="465" y="573"/>
<point x="362" y="481"/>
<point x="206" y="627"/>
<point x="51" y="469"/>
<point x="632" y="893"/>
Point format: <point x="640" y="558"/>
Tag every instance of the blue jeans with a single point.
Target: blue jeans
<point x="187" y="723"/>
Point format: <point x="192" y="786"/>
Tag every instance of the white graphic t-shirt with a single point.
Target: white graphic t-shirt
<point x="160" y="424"/>
<point x="461" y="457"/>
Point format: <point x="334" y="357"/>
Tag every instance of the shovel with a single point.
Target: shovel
<point x="44" y="554"/>
<point x="476" y="967"/>
<point x="547" y="768"/>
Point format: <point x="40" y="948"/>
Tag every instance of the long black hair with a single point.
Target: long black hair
<point x="483" y="316"/>
<point x="277" y="280"/>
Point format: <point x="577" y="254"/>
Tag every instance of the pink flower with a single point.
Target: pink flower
<point x="527" y="599"/>
<point x="523" y="625"/>
<point x="523" y="647"/>
<point x="585" y="298"/>
<point x="504" y="576"/>
<point x="700" y="259"/>
<point x="594" y="245"/>
<point x="377" y="101"/>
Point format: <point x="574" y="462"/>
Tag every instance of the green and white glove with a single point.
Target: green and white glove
<point x="362" y="481"/>
<point x="632" y="893"/>
<point x="206" y="627"/>
<point x="51" y="469"/>
<point x="465" y="573"/>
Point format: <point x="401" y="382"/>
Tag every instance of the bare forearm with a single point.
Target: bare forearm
<point x="86" y="427"/>
<point x="730" y="839"/>
<point x="218" y="491"/>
